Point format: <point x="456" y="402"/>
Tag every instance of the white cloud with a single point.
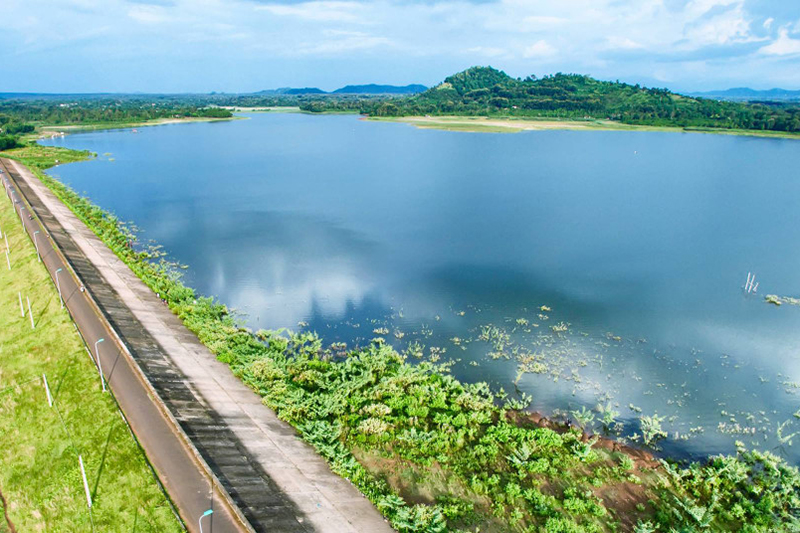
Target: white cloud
<point x="783" y="45"/>
<point x="768" y="23"/>
<point x="731" y="26"/>
<point x="148" y="14"/>
<point x="521" y="18"/>
<point x="317" y="11"/>
<point x="540" y="49"/>
<point x="348" y="43"/>
<point x="622" y="43"/>
<point x="484" y="51"/>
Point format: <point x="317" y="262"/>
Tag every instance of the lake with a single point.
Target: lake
<point x="582" y="268"/>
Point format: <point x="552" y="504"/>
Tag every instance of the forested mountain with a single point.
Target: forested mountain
<point x="484" y="91"/>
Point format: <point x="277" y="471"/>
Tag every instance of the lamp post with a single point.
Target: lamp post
<point x="58" y="286"/>
<point x="210" y="511"/>
<point x="99" y="364"/>
<point x="36" y="244"/>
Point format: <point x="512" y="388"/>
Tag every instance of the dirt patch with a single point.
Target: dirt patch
<point x="9" y="523"/>
<point x="642" y="459"/>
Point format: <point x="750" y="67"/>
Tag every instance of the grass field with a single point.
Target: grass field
<point x="39" y="445"/>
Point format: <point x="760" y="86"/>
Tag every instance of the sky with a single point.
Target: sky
<point x="250" y="45"/>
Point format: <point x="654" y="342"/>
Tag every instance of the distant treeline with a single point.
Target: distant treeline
<point x="21" y="116"/>
<point x="478" y="91"/>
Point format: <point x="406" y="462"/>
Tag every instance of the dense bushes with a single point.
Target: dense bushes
<point x="7" y="142"/>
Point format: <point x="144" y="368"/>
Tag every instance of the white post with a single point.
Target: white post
<point x="8" y="261"/>
<point x="200" y="522"/>
<point x="85" y="483"/>
<point x="29" y="312"/>
<point x="21" y="308"/>
<point x="5" y="236"/>
<point x="99" y="364"/>
<point x="36" y="244"/>
<point x="47" y="390"/>
<point x="58" y="286"/>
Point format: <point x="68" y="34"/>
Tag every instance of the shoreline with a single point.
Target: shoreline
<point x="52" y="131"/>
<point x="482" y="124"/>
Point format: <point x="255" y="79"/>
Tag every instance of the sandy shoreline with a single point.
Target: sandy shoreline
<point x="45" y="132"/>
<point x="515" y="125"/>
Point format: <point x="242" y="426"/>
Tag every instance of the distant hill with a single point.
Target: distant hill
<point x="485" y="91"/>
<point x="305" y="90"/>
<point x="370" y="89"/>
<point x="746" y="94"/>
<point x="381" y="89"/>
<point x="291" y="91"/>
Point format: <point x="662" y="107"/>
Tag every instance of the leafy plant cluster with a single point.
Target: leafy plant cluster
<point x="472" y="458"/>
<point x="10" y="131"/>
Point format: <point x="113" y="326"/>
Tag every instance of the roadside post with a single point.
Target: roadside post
<point x="47" y="390"/>
<point x="207" y="513"/>
<point x="58" y="286"/>
<point x="36" y="244"/>
<point x="30" y="314"/>
<point x="99" y="364"/>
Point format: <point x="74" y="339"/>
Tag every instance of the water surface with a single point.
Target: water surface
<point x="637" y="244"/>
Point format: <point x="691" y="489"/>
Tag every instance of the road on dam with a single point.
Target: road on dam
<point x="212" y="442"/>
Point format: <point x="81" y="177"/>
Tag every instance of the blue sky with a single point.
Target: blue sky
<point x="248" y="45"/>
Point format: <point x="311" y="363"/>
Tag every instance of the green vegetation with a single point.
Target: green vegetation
<point x="475" y="92"/>
<point x="39" y="445"/>
<point x="19" y="118"/>
<point x="435" y="454"/>
<point x="484" y="91"/>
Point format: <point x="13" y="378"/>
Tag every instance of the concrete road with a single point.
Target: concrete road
<point x="183" y="474"/>
<point x="278" y="482"/>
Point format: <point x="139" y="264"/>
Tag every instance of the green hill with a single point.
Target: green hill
<point x="485" y="91"/>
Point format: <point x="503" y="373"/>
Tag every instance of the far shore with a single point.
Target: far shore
<point x="516" y="125"/>
<point x="261" y="109"/>
<point x="53" y="130"/>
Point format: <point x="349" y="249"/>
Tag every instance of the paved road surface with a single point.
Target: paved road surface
<point x="183" y="476"/>
<point x="280" y="483"/>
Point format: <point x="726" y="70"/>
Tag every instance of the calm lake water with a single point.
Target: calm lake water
<point x="582" y="268"/>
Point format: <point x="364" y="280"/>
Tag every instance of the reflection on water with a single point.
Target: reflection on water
<point x="583" y="268"/>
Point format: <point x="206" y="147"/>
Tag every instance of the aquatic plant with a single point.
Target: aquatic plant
<point x="651" y="429"/>
<point x="608" y="416"/>
<point x="584" y="417"/>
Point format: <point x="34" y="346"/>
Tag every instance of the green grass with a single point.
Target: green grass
<point x="41" y="157"/>
<point x="39" y="445"/>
